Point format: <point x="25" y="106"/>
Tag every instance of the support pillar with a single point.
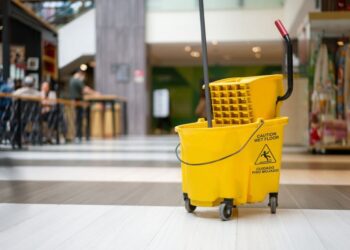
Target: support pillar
<point x="121" y="57"/>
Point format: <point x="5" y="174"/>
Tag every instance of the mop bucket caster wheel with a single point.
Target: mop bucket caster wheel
<point x="273" y="203"/>
<point x="225" y="211"/>
<point x="189" y="208"/>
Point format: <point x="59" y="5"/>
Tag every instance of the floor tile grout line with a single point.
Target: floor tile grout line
<point x="338" y="215"/>
<point x="284" y="228"/>
<point x="340" y="193"/>
<point x="237" y="228"/>
<point x="33" y="217"/>
<point x="82" y="229"/>
<point x="195" y="232"/>
<point x="294" y="199"/>
<point x="160" y="229"/>
<point x="315" y="231"/>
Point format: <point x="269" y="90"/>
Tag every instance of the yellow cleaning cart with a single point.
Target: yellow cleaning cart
<point x="234" y="157"/>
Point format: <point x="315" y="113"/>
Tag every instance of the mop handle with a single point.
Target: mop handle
<point x="285" y="35"/>
<point x="281" y="28"/>
<point x="205" y="64"/>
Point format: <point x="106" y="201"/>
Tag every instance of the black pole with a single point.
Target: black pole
<point x="19" y="123"/>
<point x="113" y="119"/>
<point x="40" y="123"/>
<point x="125" y="117"/>
<point x="88" y="121"/>
<point x="289" y="48"/>
<point x="205" y="64"/>
<point x="57" y="123"/>
<point x="6" y="39"/>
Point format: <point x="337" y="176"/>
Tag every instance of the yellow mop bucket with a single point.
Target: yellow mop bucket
<point x="235" y="158"/>
<point x="240" y="163"/>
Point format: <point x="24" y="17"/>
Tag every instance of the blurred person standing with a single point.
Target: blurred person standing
<point x="77" y="90"/>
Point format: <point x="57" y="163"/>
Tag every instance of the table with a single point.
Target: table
<point x="106" y="99"/>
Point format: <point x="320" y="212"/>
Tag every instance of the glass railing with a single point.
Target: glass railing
<point x="190" y="5"/>
<point x="61" y="12"/>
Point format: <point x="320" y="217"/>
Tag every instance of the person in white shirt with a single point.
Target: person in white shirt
<point x="27" y="88"/>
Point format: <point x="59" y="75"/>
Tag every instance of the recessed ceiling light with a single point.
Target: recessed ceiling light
<point x="83" y="67"/>
<point x="214" y="42"/>
<point x="195" y="54"/>
<point x="188" y="48"/>
<point x="256" y="49"/>
<point x="340" y="43"/>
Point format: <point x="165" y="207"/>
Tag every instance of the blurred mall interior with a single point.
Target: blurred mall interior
<point x="104" y="139"/>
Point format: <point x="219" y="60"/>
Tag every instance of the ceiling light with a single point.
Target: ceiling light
<point x="257" y="55"/>
<point x="195" y="54"/>
<point x="340" y="43"/>
<point x="1" y="27"/>
<point x="83" y="67"/>
<point x="188" y="48"/>
<point x="214" y="42"/>
<point x="256" y="49"/>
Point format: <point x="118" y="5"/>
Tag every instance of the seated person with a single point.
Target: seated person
<point x="48" y="97"/>
<point x="27" y="88"/>
<point x="48" y="111"/>
<point x="30" y="111"/>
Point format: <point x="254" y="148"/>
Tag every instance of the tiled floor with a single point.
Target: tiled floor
<point x="148" y="227"/>
<point x="126" y="194"/>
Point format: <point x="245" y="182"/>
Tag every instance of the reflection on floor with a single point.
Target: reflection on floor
<point x="126" y="194"/>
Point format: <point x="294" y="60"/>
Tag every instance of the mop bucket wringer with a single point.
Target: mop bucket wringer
<point x="234" y="158"/>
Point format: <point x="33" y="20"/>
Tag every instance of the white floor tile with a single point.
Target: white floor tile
<point x="332" y="227"/>
<point x="288" y="229"/>
<point x="156" y="174"/>
<point x="140" y="227"/>
<point x="131" y="156"/>
<point x="11" y="215"/>
<point x="52" y="224"/>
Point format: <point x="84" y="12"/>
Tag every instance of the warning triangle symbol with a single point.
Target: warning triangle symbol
<point x="265" y="156"/>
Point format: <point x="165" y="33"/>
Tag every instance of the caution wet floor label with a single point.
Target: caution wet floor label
<point x="264" y="163"/>
<point x="265" y="156"/>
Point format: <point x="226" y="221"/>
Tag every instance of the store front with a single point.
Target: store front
<point x="28" y="45"/>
